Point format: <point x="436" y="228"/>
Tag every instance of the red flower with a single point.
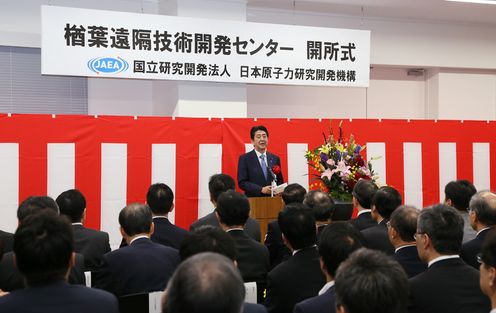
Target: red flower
<point x="276" y="169"/>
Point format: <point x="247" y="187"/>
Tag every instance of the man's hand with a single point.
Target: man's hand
<point x="266" y="190"/>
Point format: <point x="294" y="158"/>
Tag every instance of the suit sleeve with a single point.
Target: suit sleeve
<point x="76" y="275"/>
<point x="244" y="182"/>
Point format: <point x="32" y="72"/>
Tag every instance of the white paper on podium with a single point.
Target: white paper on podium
<point x="279" y="189"/>
<point x="155" y="302"/>
<point x="251" y="292"/>
<point x="87" y="276"/>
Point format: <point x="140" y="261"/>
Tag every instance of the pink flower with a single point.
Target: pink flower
<point x="327" y="173"/>
<point x="331" y="162"/>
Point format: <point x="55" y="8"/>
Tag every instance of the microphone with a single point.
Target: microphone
<point x="273" y="185"/>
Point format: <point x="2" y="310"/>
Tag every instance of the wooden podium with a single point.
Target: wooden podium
<point x="265" y="210"/>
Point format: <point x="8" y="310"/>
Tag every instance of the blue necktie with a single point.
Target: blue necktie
<point x="264" y="165"/>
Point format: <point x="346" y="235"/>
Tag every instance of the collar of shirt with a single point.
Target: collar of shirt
<point x="237" y="228"/>
<point x="298" y="250"/>
<point x="79" y="223"/>
<point x="493" y="310"/>
<point x="363" y="211"/>
<point x="139" y="237"/>
<point x="480" y="231"/>
<point x="409" y="245"/>
<point x="160" y="216"/>
<point x="258" y="157"/>
<point x="444" y="257"/>
<point x="326" y="287"/>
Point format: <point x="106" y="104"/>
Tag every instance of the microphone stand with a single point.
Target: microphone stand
<point x="273" y="184"/>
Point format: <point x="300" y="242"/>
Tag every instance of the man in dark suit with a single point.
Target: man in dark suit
<point x="448" y="284"/>
<point x="487" y="260"/>
<point x="401" y="229"/>
<point x="300" y="276"/>
<point x="482" y="216"/>
<point x="337" y="242"/>
<point x="457" y="194"/>
<point x="142" y="266"/>
<point x="232" y="211"/>
<point x="44" y="253"/>
<point x="384" y="202"/>
<point x="258" y="168"/>
<point x="322" y="207"/>
<point x="92" y="244"/>
<point x="218" y="184"/>
<point x="363" y="192"/>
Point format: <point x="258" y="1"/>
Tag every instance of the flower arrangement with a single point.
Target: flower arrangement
<point x="339" y="164"/>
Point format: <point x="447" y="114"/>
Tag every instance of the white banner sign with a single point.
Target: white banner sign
<point x="93" y="43"/>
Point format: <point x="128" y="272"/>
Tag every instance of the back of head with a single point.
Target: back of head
<point x="483" y="204"/>
<point x="160" y="198"/>
<point x="404" y="221"/>
<point x="233" y="208"/>
<point x="444" y="225"/>
<point x="205" y="283"/>
<point x="370" y="281"/>
<point x="337" y="241"/>
<point x="35" y="204"/>
<point x="218" y="184"/>
<point x="254" y="129"/>
<point x="386" y="200"/>
<point x="136" y="218"/>
<point x="298" y="225"/>
<point x="293" y="193"/>
<point x="208" y="238"/>
<point x="363" y="192"/>
<point x="72" y="204"/>
<point x="459" y="192"/>
<point x="43" y="245"/>
<point x="321" y="204"/>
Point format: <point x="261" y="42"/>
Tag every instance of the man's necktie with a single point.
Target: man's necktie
<point x="264" y="165"/>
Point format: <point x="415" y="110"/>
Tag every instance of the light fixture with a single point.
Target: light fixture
<point x="475" y="1"/>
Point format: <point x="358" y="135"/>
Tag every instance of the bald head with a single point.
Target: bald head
<point x="483" y="205"/>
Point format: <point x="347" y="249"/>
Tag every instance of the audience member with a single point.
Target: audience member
<point x="218" y="184"/>
<point x="43" y="246"/>
<point x="384" y="202"/>
<point x="487" y="259"/>
<point x="337" y="242"/>
<point x="369" y="281"/>
<point x="322" y="207"/>
<point x="300" y="276"/>
<point x="293" y="193"/>
<point x="143" y="265"/>
<point x="448" y="285"/>
<point x="363" y="192"/>
<point x="92" y="244"/>
<point x="457" y="194"/>
<point x="482" y="216"/>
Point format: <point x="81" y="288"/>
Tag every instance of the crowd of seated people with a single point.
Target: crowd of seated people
<point x="392" y="257"/>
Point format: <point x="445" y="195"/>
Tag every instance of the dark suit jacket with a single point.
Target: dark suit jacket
<point x="363" y="221"/>
<point x="8" y="241"/>
<point x="447" y="286"/>
<point x="273" y="241"/>
<point x="376" y="238"/>
<point x="293" y="281"/>
<point x="326" y="302"/>
<point x="59" y="297"/>
<point x="250" y="175"/>
<point x="253" y="308"/>
<point x="92" y="244"/>
<point x="252" y="226"/>
<point x="144" y="266"/>
<point x="471" y="248"/>
<point x="165" y="233"/>
<point x="409" y="259"/>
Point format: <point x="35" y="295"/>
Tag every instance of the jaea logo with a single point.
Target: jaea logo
<point x="108" y="65"/>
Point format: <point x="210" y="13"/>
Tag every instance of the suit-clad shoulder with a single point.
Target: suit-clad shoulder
<point x="92" y="244"/>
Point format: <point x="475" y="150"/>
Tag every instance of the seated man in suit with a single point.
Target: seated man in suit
<point x="369" y="281"/>
<point x="293" y="193"/>
<point x="337" y="242"/>
<point x="218" y="184"/>
<point x="92" y="244"/>
<point x="363" y="192"/>
<point x="448" y="284"/>
<point x="258" y="168"/>
<point x="322" y="207"/>
<point x="10" y="277"/>
<point x="143" y="265"/>
<point x="300" y="276"/>
<point x="458" y="194"/>
<point x="401" y="228"/>
<point x="232" y="211"/>
<point x="487" y="259"/>
<point x="482" y="216"/>
<point x="44" y="251"/>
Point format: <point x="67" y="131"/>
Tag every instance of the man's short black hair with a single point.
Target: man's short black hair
<point x="298" y="225"/>
<point x="321" y="204"/>
<point x="386" y="200"/>
<point x="233" y="208"/>
<point x="35" y="204"/>
<point x="488" y="251"/>
<point x="160" y="198"/>
<point x="208" y="238"/>
<point x="293" y="193"/>
<point x="206" y="282"/>
<point x="254" y="129"/>
<point x="72" y="204"/>
<point x="484" y="206"/>
<point x="459" y="192"/>
<point x="218" y="184"/>
<point x="444" y="225"/>
<point x="404" y="221"/>
<point x="136" y="218"/>
<point x="371" y="281"/>
<point x="43" y="245"/>
<point x="337" y="241"/>
<point x="364" y="191"/>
